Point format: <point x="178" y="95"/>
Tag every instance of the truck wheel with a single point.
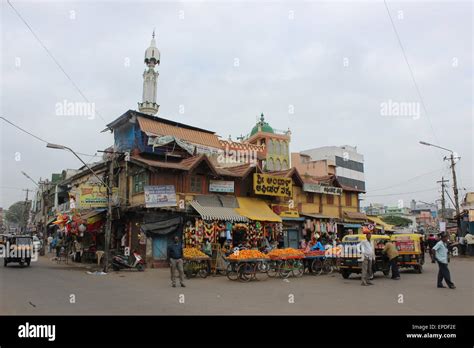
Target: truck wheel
<point x="345" y="274"/>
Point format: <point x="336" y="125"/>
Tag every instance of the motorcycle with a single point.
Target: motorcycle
<point x="124" y="262"/>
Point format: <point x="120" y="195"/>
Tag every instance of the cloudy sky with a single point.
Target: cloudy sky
<point x="322" y="69"/>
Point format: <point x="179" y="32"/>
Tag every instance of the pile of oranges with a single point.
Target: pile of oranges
<point x="193" y="253"/>
<point x="248" y="254"/>
<point x="286" y="253"/>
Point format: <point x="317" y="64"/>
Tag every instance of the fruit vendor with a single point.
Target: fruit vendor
<point x="318" y="246"/>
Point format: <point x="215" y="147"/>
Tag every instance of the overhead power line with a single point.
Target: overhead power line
<point x="402" y="193"/>
<point x="410" y="70"/>
<point x="52" y="57"/>
<point x="408" y="180"/>
<point x="37" y="137"/>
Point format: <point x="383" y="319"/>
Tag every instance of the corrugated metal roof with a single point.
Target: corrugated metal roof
<point x="191" y="135"/>
<point x="218" y="213"/>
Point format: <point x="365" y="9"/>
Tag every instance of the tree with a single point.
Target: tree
<point x="17" y="213"/>
<point x="397" y="221"/>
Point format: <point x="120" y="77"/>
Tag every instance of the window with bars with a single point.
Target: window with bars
<point x="195" y="185"/>
<point x="140" y="180"/>
<point x="330" y="199"/>
<point x="348" y="199"/>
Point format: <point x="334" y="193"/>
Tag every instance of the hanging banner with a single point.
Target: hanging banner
<point x="329" y="190"/>
<point x="160" y="196"/>
<point x="221" y="186"/>
<point x="264" y="184"/>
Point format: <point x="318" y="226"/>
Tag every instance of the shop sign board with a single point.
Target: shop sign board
<point x="160" y="196"/>
<point x="329" y="190"/>
<point x="221" y="186"/>
<point x="264" y="184"/>
<point x="95" y="196"/>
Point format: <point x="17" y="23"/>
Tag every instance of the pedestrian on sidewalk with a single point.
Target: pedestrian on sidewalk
<point x="50" y="241"/>
<point x="175" y="257"/>
<point x="440" y="252"/>
<point x="392" y="254"/>
<point x="368" y="256"/>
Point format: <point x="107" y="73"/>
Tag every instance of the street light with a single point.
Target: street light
<point x="29" y="177"/>
<point x="455" y="185"/>
<point x="108" y="229"/>
<point x="62" y="147"/>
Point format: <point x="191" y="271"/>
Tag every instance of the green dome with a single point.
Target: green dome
<point x="264" y="126"/>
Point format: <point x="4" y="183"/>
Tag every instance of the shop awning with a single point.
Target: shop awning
<point x="379" y="223"/>
<point x="218" y="213"/>
<point x="92" y="216"/>
<point x="162" y="227"/>
<point x="318" y="216"/>
<point x="355" y="215"/>
<point x="256" y="209"/>
<point x="351" y="225"/>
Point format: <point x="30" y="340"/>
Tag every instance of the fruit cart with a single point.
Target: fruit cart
<point x="196" y="263"/>
<point x="285" y="262"/>
<point x="197" y="266"/>
<point x="315" y="262"/>
<point x="247" y="265"/>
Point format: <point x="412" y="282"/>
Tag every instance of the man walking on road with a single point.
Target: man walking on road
<point x="440" y="251"/>
<point x="368" y="256"/>
<point x="392" y="253"/>
<point x="175" y="256"/>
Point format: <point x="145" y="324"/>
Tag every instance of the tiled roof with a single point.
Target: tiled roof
<point x="239" y="171"/>
<point x="192" y="135"/>
<point x="289" y="173"/>
<point x="355" y="215"/>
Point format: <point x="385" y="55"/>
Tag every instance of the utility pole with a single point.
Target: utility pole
<point x="108" y="227"/>
<point x="455" y="189"/>
<point x="443" y="202"/>
<point x="25" y="212"/>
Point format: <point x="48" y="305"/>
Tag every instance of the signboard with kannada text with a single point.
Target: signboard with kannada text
<point x="160" y="196"/>
<point x="264" y="184"/>
<point x="221" y="186"/>
<point x="329" y="190"/>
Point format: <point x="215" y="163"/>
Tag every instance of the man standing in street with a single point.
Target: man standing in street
<point x="175" y="257"/>
<point x="440" y="251"/>
<point x="392" y="253"/>
<point x="368" y="256"/>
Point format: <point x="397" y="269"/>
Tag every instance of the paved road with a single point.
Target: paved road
<point x="46" y="288"/>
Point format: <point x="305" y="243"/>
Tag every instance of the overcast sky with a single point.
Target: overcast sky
<point x="332" y="63"/>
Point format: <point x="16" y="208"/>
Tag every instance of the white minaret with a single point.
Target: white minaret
<point x="150" y="77"/>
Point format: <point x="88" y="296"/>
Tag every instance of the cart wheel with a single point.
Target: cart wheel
<point x="203" y="273"/>
<point x="298" y="268"/>
<point x="285" y="269"/>
<point x="273" y="267"/>
<point x="231" y="272"/>
<point x="327" y="266"/>
<point x="317" y="266"/>
<point x="345" y="274"/>
<point x="246" y="271"/>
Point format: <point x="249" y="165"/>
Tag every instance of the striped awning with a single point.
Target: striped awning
<point x="218" y="213"/>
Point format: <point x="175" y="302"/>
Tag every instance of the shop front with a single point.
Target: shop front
<point x="353" y="223"/>
<point x="263" y="222"/>
<point x="320" y="226"/>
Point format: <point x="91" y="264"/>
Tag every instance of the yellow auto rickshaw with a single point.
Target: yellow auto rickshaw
<point x="351" y="258"/>
<point x="410" y="250"/>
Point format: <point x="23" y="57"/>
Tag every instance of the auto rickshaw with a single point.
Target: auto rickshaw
<point x="351" y="257"/>
<point x="409" y="250"/>
<point x="19" y="250"/>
